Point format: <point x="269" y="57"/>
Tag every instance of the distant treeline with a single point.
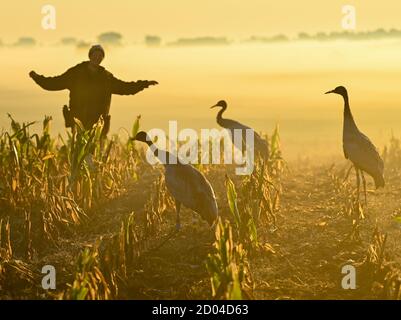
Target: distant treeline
<point x="116" y="39"/>
<point x="335" y="35"/>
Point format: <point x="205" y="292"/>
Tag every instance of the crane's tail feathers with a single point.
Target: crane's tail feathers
<point x="379" y="181"/>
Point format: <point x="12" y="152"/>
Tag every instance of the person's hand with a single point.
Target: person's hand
<point x="33" y="74"/>
<point x="146" y="83"/>
<point x="152" y="83"/>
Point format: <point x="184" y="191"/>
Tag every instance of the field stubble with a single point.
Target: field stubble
<point x="103" y="217"/>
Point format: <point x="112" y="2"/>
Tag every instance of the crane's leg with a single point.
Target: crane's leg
<point x="364" y="187"/>
<point x="358" y="182"/>
<point x="177" y="209"/>
<point x="348" y="172"/>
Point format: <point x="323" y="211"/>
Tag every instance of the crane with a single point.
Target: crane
<point x="187" y="185"/>
<point x="358" y="148"/>
<point x="261" y="146"/>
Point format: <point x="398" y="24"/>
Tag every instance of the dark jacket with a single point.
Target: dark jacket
<point x="90" y="91"/>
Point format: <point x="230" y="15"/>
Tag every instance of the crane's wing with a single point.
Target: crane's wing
<point x="189" y="186"/>
<point x="260" y="144"/>
<point x="362" y="152"/>
<point x="232" y="124"/>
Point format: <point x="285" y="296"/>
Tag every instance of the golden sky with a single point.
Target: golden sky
<point x="182" y="18"/>
<point x="264" y="84"/>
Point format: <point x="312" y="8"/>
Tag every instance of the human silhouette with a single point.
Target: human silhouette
<point x="91" y="87"/>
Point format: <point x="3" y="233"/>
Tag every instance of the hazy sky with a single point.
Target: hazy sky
<point x="180" y="18"/>
<point x="264" y="84"/>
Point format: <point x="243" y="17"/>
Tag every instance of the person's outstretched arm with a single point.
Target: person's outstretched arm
<point x="60" y="82"/>
<point x="133" y="87"/>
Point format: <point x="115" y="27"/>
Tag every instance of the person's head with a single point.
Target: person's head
<point x="96" y="54"/>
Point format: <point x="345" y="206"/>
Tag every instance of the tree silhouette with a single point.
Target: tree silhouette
<point x="112" y="38"/>
<point x="25" y="42"/>
<point x="153" y="41"/>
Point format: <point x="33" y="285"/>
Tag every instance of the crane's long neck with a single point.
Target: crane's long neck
<point x="152" y="147"/>
<point x="164" y="156"/>
<point x="219" y="118"/>
<point x="349" y="122"/>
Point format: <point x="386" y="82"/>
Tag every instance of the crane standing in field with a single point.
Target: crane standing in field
<point x="260" y="145"/>
<point x="187" y="185"/>
<point x="358" y="148"/>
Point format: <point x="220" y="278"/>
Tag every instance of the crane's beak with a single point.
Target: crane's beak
<point x="214" y="106"/>
<point x="331" y="91"/>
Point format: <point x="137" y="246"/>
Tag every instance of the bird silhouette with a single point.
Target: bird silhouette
<point x="261" y="146"/>
<point x="358" y="148"/>
<point x="187" y="185"/>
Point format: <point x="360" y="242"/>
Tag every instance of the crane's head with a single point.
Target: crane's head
<point x="339" y="90"/>
<point x="221" y="104"/>
<point x="143" y="137"/>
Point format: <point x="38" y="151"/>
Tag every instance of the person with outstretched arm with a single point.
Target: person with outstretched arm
<point x="91" y="87"/>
